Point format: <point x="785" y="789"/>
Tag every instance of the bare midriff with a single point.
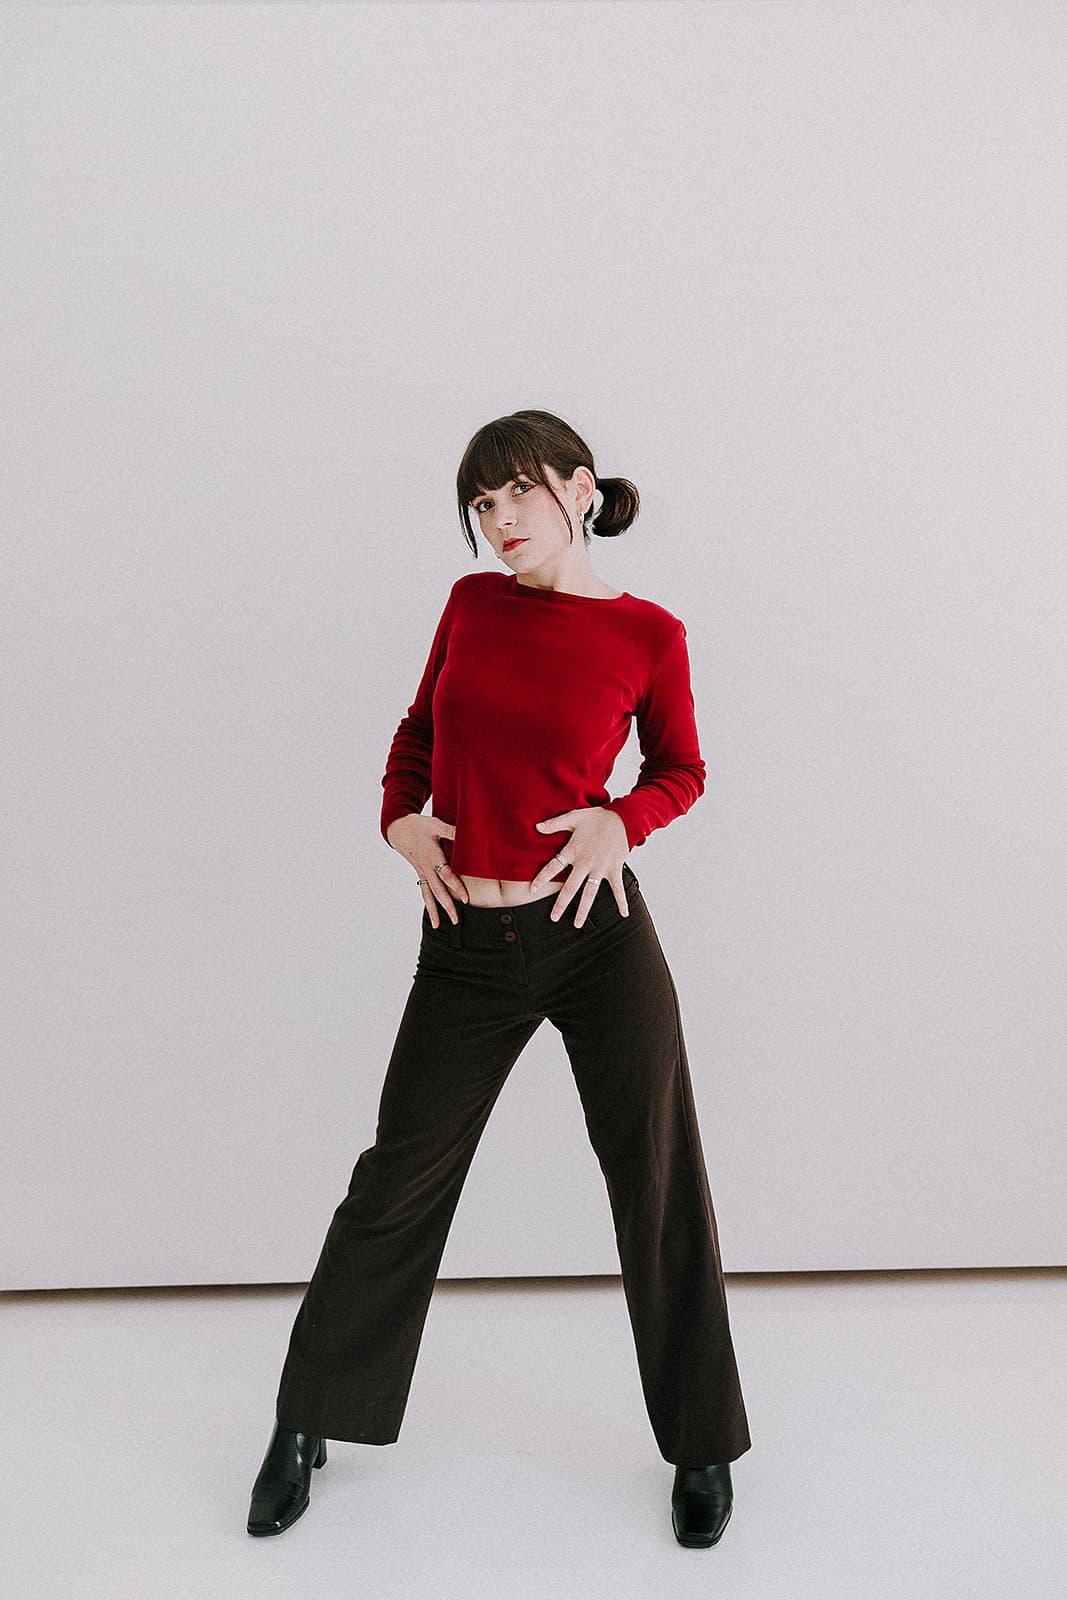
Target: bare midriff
<point x="505" y="891"/>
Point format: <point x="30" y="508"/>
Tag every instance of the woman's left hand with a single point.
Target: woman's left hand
<point x="597" y="845"/>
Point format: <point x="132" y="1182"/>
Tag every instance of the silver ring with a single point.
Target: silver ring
<point x="440" y="867"/>
<point x="594" y="880"/>
<point x="558" y="857"/>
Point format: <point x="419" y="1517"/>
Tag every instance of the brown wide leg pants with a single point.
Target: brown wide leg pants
<point x="481" y="989"/>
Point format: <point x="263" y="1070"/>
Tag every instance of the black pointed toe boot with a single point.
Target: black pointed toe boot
<point x="701" y="1502"/>
<point x="281" y="1492"/>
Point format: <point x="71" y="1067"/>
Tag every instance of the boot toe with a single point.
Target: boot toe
<point x="701" y="1503"/>
<point x="273" y="1512"/>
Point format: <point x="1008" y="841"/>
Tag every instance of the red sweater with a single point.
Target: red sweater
<point x="525" y="701"/>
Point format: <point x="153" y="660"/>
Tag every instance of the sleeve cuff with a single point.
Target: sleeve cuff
<point x="625" y="808"/>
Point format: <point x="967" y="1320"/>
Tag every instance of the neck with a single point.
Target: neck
<point x="569" y="577"/>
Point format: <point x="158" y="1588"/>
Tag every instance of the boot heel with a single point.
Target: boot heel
<point x="320" y="1459"/>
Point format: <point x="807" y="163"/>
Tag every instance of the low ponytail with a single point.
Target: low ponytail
<point x="618" y="508"/>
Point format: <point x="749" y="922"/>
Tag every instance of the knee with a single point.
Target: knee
<point x="390" y="1189"/>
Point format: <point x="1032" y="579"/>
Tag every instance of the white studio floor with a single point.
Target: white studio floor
<point x="908" y="1440"/>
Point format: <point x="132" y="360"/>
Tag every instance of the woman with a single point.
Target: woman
<point x="530" y="911"/>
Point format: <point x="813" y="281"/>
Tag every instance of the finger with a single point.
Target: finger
<point x="450" y="907"/>
<point x="564" y="898"/>
<point x="588" y="896"/>
<point x="441" y="894"/>
<point x="548" y="871"/>
<point x="435" y="915"/>
<point x="430" y="884"/>
<point x="435" y="920"/>
<point x="456" y="884"/>
<point x="619" y="891"/>
<point x="447" y="879"/>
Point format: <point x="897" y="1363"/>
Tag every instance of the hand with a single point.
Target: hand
<point x="597" y="845"/>
<point x="417" y="839"/>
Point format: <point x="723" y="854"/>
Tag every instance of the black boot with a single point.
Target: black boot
<point x="701" y="1502"/>
<point x="280" y="1493"/>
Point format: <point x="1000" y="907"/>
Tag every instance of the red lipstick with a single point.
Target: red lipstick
<point x="510" y="544"/>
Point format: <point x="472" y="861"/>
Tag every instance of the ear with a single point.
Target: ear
<point x="582" y="478"/>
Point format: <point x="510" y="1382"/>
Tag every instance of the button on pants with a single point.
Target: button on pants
<point x="481" y="990"/>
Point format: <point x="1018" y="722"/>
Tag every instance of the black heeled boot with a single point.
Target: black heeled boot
<point x="701" y="1502"/>
<point x="281" y="1492"/>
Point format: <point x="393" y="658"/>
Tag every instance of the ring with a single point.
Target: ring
<point x="558" y="857"/>
<point x="440" y="867"/>
<point x="594" y="880"/>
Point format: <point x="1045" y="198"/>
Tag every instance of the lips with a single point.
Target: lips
<point x="512" y="544"/>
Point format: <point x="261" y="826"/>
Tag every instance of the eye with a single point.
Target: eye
<point x="520" y="483"/>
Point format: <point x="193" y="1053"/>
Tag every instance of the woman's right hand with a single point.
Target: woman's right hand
<point x="417" y="839"/>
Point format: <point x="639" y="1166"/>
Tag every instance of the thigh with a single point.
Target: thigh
<point x="622" y="1028"/>
<point x="456" y="1043"/>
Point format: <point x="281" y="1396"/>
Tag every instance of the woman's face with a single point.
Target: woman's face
<point x="523" y="523"/>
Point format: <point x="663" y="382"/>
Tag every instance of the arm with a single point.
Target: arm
<point x="672" y="773"/>
<point x="406" y="782"/>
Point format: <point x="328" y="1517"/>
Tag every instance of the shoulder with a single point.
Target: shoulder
<point x="657" y="613"/>
<point x="479" y="586"/>
<point x="659" y="627"/>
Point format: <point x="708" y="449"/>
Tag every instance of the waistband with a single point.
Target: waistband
<point x="485" y="923"/>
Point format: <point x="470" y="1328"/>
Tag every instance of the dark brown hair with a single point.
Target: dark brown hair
<point x="522" y="445"/>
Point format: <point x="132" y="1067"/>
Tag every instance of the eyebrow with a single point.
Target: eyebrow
<point x="482" y="496"/>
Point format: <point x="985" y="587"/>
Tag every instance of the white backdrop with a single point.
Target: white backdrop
<point x="797" y="271"/>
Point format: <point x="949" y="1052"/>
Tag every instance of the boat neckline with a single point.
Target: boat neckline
<point x="534" y="591"/>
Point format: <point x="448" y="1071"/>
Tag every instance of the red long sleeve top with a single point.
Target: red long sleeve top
<point x="525" y="702"/>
